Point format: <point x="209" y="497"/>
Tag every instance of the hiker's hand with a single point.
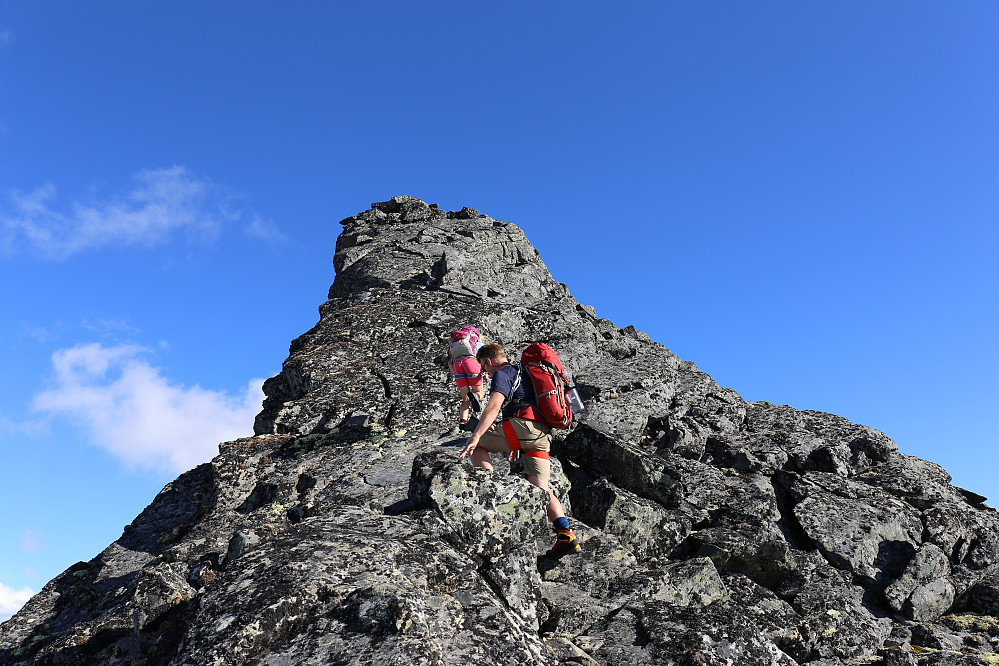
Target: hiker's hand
<point x="470" y="445"/>
<point x="513" y="455"/>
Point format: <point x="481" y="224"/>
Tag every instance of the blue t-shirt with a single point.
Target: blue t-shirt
<point x="503" y="380"/>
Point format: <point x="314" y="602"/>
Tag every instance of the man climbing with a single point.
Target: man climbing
<point x="515" y="431"/>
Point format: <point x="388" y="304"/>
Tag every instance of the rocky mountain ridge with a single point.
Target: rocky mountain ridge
<point x="345" y="531"/>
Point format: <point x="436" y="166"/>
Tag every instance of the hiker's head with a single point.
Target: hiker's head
<point x="491" y="357"/>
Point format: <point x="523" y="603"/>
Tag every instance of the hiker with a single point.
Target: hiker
<point x="467" y="371"/>
<point x="505" y="426"/>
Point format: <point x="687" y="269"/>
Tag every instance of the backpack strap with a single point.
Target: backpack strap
<point x="511" y="439"/>
<point x="513" y="387"/>
<point x="511" y="436"/>
<point x="525" y="410"/>
<point x="528" y="413"/>
<point x="544" y="455"/>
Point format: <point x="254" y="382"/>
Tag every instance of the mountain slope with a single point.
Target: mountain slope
<point x="345" y="531"/>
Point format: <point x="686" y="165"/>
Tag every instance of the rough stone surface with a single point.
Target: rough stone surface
<point x="345" y="531"/>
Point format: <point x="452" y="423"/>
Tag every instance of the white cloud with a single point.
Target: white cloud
<point x="109" y="327"/>
<point x="41" y="334"/>
<point x="263" y="230"/>
<point x="32" y="542"/>
<point x="32" y="428"/>
<point x="11" y="600"/>
<point x="159" y="205"/>
<point x="129" y="409"/>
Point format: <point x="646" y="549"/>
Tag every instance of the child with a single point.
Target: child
<point x="465" y="342"/>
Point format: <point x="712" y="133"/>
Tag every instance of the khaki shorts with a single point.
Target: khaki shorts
<point x="534" y="438"/>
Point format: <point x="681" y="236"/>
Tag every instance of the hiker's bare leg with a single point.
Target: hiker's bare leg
<point x="465" y="403"/>
<point x="480" y="458"/>
<point x="555" y="509"/>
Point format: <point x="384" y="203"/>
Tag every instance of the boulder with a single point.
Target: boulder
<point x="486" y="514"/>
<point x="642" y="525"/>
<point x="861" y="530"/>
<point x="923" y="589"/>
<point x="657" y="632"/>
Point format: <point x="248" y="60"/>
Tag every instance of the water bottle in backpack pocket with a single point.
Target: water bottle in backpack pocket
<point x="575" y="402"/>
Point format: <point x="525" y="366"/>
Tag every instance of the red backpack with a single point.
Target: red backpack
<point x="551" y="384"/>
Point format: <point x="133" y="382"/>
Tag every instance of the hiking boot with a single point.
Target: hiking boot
<point x="565" y="543"/>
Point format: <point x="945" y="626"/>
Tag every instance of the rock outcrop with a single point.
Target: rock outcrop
<point x="346" y="531"/>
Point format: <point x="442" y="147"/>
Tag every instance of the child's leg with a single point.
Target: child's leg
<point x="465" y="403"/>
<point x="466" y="375"/>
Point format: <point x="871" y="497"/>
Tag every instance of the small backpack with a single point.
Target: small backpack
<point x="551" y="384"/>
<point x="465" y="342"/>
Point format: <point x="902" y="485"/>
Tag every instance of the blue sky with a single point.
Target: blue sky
<point x="799" y="197"/>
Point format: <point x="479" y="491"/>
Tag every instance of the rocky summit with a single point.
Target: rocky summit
<point x="347" y="531"/>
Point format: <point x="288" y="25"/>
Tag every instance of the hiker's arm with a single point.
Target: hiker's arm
<point x="489" y="415"/>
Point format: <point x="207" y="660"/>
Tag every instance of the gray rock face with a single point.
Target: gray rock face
<point x="346" y="531"/>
